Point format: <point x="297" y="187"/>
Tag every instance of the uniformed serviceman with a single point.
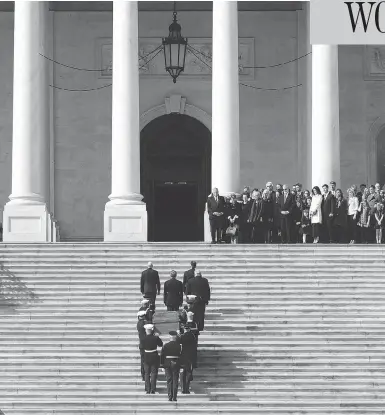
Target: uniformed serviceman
<point x="146" y="306"/>
<point x="192" y="325"/>
<point x="149" y="345"/>
<point x="188" y="342"/>
<point x="200" y="287"/>
<point x="142" y="334"/>
<point x="171" y="362"/>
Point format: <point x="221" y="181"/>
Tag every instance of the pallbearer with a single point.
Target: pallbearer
<point x="171" y="361"/>
<point x="193" y="327"/>
<point x="199" y="287"/>
<point x="142" y="334"/>
<point x="149" y="346"/>
<point x="146" y="306"/>
<point x="188" y="357"/>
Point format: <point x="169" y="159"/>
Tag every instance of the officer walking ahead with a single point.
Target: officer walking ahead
<point x="171" y="361"/>
<point x="150" y="284"/>
<point x="150" y="358"/>
<point x="188" y="342"/>
<point x="173" y="293"/>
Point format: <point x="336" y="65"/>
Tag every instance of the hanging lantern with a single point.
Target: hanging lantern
<point x="174" y="49"/>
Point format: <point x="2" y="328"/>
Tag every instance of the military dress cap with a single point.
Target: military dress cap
<point x="172" y="333"/>
<point x="141" y="313"/>
<point x="190" y="313"/>
<point x="145" y="301"/>
<point x="148" y="327"/>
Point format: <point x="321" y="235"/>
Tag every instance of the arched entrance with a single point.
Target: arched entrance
<point x="175" y="176"/>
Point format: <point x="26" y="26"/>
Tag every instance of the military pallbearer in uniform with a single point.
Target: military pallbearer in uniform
<point x="149" y="345"/>
<point x="188" y="341"/>
<point x="199" y="287"/>
<point x="171" y="354"/>
<point x="142" y="334"/>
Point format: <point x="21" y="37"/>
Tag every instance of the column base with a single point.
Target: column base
<point x="125" y="223"/>
<point x="27" y="223"/>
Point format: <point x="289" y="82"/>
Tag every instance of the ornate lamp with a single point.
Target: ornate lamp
<point x="174" y="49"/>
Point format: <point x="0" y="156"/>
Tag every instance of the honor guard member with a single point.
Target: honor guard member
<point x="171" y="362"/>
<point x="142" y="334"/>
<point x="200" y="287"/>
<point x="192" y="325"/>
<point x="149" y="345"/>
<point x="189" y="346"/>
<point x="183" y="315"/>
<point x="146" y="307"/>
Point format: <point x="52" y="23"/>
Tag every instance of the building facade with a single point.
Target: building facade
<point x="105" y="146"/>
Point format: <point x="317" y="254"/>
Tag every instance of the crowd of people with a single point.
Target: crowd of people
<point x="180" y="353"/>
<point x="293" y="215"/>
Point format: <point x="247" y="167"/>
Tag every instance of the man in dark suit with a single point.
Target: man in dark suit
<point x="150" y="284"/>
<point x="255" y="218"/>
<point x="189" y="274"/>
<point x="286" y="204"/>
<point x="328" y="210"/>
<point x="200" y="287"/>
<point x="216" y="209"/>
<point x="173" y="293"/>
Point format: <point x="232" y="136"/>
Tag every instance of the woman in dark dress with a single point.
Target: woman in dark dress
<point x="340" y="217"/>
<point x="233" y="213"/>
<point x="244" y="225"/>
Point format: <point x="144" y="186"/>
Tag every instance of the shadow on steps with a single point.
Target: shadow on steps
<point x="14" y="291"/>
<point x="232" y="378"/>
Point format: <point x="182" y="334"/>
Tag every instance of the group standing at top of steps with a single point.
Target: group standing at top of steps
<point x="181" y="351"/>
<point x="293" y="215"/>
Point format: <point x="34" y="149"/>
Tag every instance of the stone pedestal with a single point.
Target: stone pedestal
<point x="125" y="223"/>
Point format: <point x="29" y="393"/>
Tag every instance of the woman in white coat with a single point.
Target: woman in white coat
<point x="316" y="212"/>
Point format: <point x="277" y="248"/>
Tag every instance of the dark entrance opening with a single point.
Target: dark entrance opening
<point x="175" y="177"/>
<point x="176" y="212"/>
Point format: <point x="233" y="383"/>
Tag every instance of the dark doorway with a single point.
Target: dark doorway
<point x="176" y="212"/>
<point x="175" y="177"/>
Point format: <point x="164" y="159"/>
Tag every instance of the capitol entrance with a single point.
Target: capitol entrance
<point x="175" y="177"/>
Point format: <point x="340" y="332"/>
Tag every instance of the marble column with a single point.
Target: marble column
<point x="225" y="98"/>
<point x="325" y="116"/>
<point x="125" y="215"/>
<point x="26" y="217"/>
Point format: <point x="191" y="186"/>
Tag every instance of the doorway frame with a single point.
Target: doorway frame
<point x="180" y="106"/>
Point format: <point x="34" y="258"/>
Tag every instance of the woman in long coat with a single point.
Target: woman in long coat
<point x="316" y="212"/>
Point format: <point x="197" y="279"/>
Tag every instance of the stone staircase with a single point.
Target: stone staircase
<point x="290" y="329"/>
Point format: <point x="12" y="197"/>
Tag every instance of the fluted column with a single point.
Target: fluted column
<point x="125" y="217"/>
<point x="26" y="218"/>
<point x="325" y="115"/>
<point x="225" y="98"/>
